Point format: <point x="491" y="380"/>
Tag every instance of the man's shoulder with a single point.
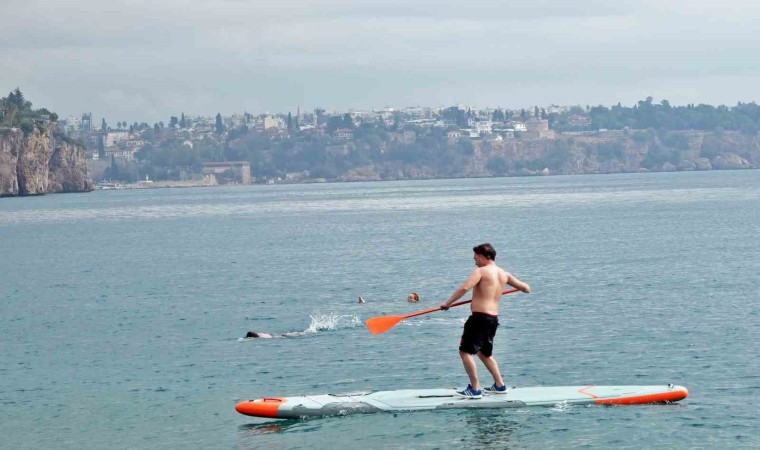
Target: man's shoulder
<point x="504" y="273"/>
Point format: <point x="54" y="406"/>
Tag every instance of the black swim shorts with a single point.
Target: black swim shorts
<point x="479" y="331"/>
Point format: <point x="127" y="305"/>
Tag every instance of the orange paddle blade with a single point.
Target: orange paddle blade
<point x="378" y="325"/>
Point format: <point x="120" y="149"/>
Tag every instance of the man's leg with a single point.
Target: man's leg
<point x="492" y="367"/>
<point x="472" y="371"/>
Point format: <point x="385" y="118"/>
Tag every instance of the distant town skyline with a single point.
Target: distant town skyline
<point x="133" y="60"/>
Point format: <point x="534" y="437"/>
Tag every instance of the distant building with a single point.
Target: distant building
<point x="273" y="122"/>
<point x="484" y="127"/>
<point x="538" y="129"/>
<point x="578" y="120"/>
<point x="112" y="138"/>
<point x="241" y="170"/>
<point x="296" y="176"/>
<point x="127" y="154"/>
<point x="133" y="143"/>
<point x="86" y="123"/>
<point x="344" y="133"/>
<point x="517" y="126"/>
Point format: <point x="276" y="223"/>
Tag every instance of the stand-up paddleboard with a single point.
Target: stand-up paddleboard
<point x="430" y="399"/>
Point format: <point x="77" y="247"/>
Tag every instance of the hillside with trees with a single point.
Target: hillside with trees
<point x="444" y="142"/>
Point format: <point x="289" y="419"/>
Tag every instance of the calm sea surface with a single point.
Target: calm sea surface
<point x="121" y="311"/>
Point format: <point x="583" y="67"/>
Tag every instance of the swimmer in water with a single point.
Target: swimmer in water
<point x="253" y="334"/>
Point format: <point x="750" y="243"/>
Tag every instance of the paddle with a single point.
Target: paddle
<point x="381" y="324"/>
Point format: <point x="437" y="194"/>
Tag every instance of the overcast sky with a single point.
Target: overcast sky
<point x="139" y="60"/>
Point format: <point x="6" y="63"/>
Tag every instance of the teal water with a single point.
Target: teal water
<point x="121" y="311"/>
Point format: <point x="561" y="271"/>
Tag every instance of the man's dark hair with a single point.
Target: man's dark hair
<point x="486" y="250"/>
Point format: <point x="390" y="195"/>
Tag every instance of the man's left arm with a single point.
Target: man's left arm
<point x="515" y="282"/>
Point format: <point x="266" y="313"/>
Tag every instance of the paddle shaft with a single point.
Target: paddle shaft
<point x="382" y="324"/>
<point x="463" y="302"/>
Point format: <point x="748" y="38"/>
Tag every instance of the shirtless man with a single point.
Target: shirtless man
<point x="487" y="282"/>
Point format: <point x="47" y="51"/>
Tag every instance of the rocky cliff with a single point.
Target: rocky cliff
<point x="39" y="162"/>
<point x="616" y="152"/>
<point x="608" y="152"/>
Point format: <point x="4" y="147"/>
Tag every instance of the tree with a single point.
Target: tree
<point x="10" y="113"/>
<point x="456" y="115"/>
<point x="16" y="98"/>
<point x="498" y="115"/>
<point x="347" y="121"/>
<point x="103" y="125"/>
<point x="498" y="165"/>
<point x="319" y="112"/>
<point x="334" y="123"/>
<point x="173" y="122"/>
<point x="112" y="172"/>
<point x="219" y="124"/>
<point x="101" y="148"/>
<point x="183" y="121"/>
<point x="290" y="122"/>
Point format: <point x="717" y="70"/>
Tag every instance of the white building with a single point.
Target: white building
<point x="273" y="122"/>
<point x="114" y="137"/>
<point x="484" y="127"/>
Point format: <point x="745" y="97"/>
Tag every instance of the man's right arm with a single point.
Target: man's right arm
<point x="470" y="283"/>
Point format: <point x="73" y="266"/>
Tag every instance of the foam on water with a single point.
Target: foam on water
<point x="332" y="322"/>
<point x="321" y="322"/>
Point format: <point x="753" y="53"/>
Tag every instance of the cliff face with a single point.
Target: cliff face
<point x="39" y="163"/>
<point x="617" y="152"/>
<point x="10" y="143"/>
<point x="32" y="165"/>
<point x="609" y="152"/>
<point x="67" y="169"/>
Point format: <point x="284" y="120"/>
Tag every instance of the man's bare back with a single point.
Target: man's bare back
<point x="487" y="292"/>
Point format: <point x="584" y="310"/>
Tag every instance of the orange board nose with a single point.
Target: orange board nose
<point x="672" y="396"/>
<point x="263" y="407"/>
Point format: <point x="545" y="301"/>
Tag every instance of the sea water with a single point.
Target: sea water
<point x="122" y="312"/>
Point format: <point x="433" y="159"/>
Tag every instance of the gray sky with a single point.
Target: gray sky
<point x="139" y="60"/>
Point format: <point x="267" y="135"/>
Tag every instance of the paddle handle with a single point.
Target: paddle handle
<point x="463" y="302"/>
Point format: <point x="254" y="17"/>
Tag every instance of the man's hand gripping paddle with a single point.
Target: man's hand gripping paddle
<point x="381" y="324"/>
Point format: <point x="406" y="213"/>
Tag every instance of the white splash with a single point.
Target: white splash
<point x="561" y="406"/>
<point x="331" y="322"/>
